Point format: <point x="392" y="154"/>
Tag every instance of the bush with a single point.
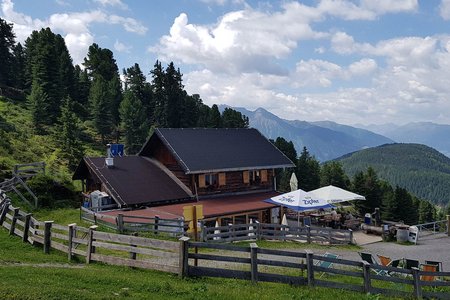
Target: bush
<point x="52" y="193"/>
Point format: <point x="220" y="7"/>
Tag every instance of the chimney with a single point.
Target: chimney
<point x="109" y="160"/>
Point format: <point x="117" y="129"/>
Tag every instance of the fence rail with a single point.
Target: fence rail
<point x="128" y="223"/>
<point x="306" y="268"/>
<point x="434" y="227"/>
<point x="110" y="248"/>
<point x="248" y="263"/>
<point x="259" y="231"/>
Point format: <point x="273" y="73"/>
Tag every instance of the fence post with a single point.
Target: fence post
<point x="4" y="212"/>
<point x="416" y="280"/>
<point x="184" y="257"/>
<point x="351" y="236"/>
<point x="155" y="226"/>
<point x="70" y="241"/>
<point x="120" y="223"/>
<point x="366" y="276"/>
<point x="90" y="248"/>
<point x="26" y="227"/>
<point x="47" y="236"/>
<point x="13" y="221"/>
<point x="258" y="231"/>
<point x="133" y="255"/>
<point x="308" y="234"/>
<point x="310" y="267"/>
<point x="202" y="231"/>
<point x="254" y="262"/>
<point x="448" y="225"/>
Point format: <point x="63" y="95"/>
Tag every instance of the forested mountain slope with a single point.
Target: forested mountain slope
<point x="420" y="169"/>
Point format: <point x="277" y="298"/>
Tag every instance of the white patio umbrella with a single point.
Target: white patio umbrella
<point x="250" y="228"/>
<point x="217" y="231"/>
<point x="285" y="222"/>
<point x="293" y="182"/>
<point x="333" y="194"/>
<point x="300" y="200"/>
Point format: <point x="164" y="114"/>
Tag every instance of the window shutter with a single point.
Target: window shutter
<point x="246" y="176"/>
<point x="263" y="175"/>
<point x="201" y="181"/>
<point x="222" y="179"/>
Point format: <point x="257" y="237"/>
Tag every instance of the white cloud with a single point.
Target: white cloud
<point x="367" y="9"/>
<point x="115" y="3"/>
<point x="445" y="9"/>
<point x="241" y="40"/>
<point x="74" y="26"/>
<point x="121" y="47"/>
<point x="129" y="24"/>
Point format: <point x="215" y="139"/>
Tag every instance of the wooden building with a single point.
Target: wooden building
<point x="189" y="165"/>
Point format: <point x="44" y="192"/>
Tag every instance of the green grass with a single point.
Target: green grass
<point x="98" y="281"/>
<point x="296" y="245"/>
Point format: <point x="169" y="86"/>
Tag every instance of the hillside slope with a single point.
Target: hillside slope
<point x="420" y="169"/>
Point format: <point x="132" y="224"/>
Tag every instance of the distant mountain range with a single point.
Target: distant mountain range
<point x="420" y="169"/>
<point x="427" y="133"/>
<point x="326" y="140"/>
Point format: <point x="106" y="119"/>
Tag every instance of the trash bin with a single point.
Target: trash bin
<point x="402" y="234"/>
<point x="368" y="219"/>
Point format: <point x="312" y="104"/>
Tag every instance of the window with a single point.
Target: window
<point x="255" y="177"/>
<point x="212" y="179"/>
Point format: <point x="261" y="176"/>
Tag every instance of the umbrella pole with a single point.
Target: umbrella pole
<point x="298" y="219"/>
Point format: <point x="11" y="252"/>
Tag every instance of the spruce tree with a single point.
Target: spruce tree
<point x="69" y="135"/>
<point x="133" y="123"/>
<point x="18" y="73"/>
<point x="159" y="95"/>
<point x="7" y="41"/>
<point x="308" y="171"/>
<point x="215" y="120"/>
<point x="333" y="174"/>
<point x="100" y="107"/>
<point x="38" y="103"/>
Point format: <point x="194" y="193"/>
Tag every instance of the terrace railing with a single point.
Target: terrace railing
<point x="260" y="231"/>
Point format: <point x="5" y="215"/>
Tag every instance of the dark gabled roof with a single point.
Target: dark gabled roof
<point x="134" y="180"/>
<point x="203" y="150"/>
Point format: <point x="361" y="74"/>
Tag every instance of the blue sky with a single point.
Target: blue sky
<point x="349" y="61"/>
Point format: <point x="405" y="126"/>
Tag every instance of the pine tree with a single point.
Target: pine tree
<point x="333" y="174"/>
<point x="38" y="102"/>
<point x="159" y="95"/>
<point x="234" y="119"/>
<point x="18" y="73"/>
<point x="133" y="123"/>
<point x="100" y="107"/>
<point x="308" y="171"/>
<point x="215" y="120"/>
<point x="7" y="41"/>
<point x="368" y="185"/>
<point x="69" y="135"/>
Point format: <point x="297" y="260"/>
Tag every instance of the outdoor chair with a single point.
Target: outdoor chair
<point x="437" y="263"/>
<point x="388" y="262"/>
<point x="411" y="263"/>
<point x="367" y="257"/>
<point x="326" y="264"/>
<point x="428" y="268"/>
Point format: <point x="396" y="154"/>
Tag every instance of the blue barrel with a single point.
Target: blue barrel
<point x="367" y="219"/>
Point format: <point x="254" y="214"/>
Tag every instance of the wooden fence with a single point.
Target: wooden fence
<point x="259" y="231"/>
<point x="111" y="248"/>
<point x="306" y="268"/>
<point x="21" y="172"/>
<point x="126" y="223"/>
<point x="250" y="263"/>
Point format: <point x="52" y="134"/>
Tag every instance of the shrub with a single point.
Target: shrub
<point x="52" y="193"/>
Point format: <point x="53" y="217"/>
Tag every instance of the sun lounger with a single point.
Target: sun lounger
<point x="367" y="257"/>
<point x="428" y="268"/>
<point x="326" y="264"/>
